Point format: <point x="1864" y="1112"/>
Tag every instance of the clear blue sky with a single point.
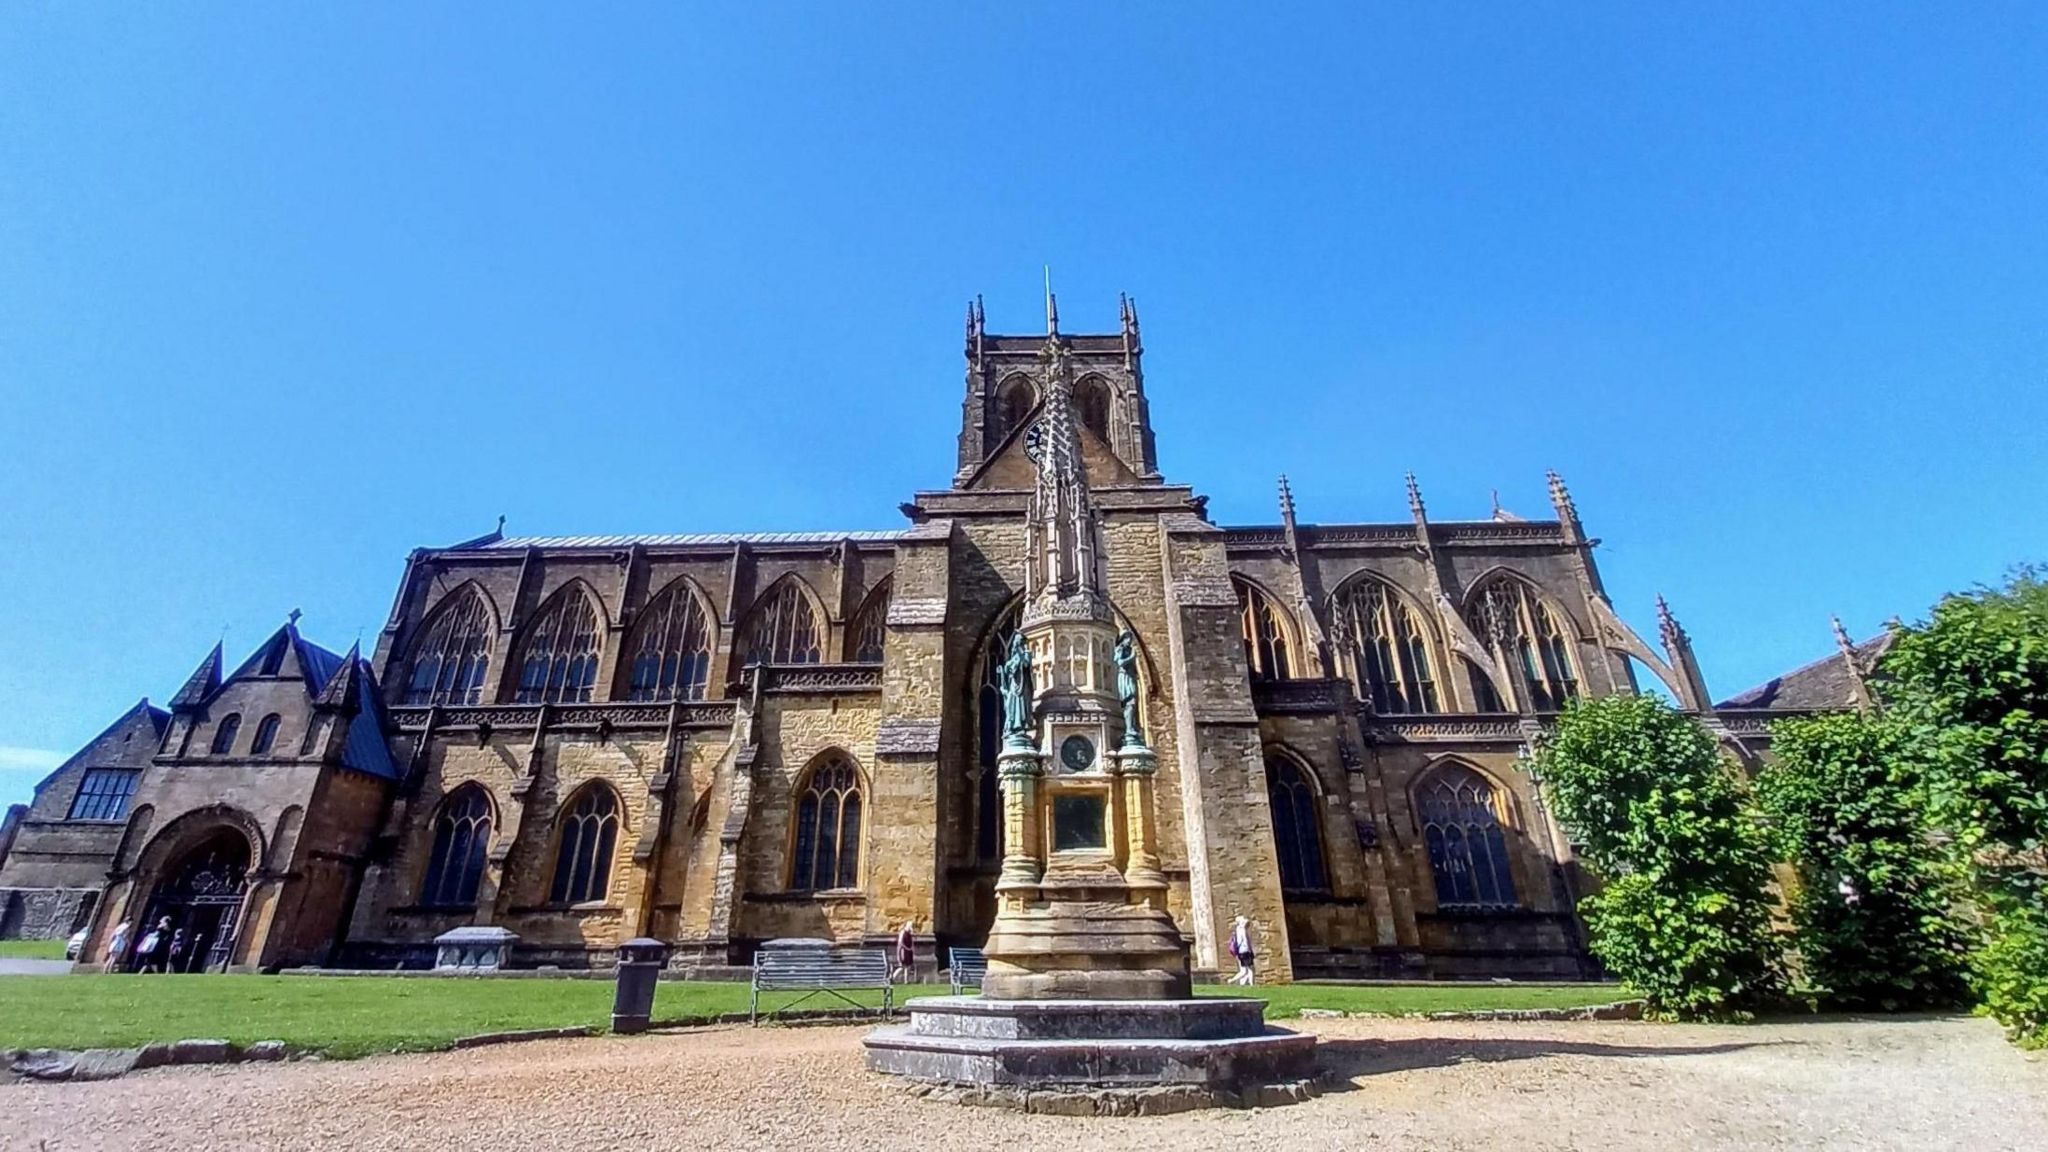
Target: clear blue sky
<point x="289" y="291"/>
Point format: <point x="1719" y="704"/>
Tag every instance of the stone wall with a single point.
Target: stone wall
<point x="45" y="913"/>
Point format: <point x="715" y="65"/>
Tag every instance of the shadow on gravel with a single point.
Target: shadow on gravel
<point x="1350" y="1059"/>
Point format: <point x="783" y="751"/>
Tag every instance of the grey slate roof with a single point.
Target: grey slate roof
<point x="1822" y="686"/>
<point x="691" y="538"/>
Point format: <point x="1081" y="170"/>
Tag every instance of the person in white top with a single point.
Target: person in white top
<point x="1241" y="947"/>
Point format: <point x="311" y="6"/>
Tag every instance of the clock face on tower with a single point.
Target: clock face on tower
<point x="1077" y="753"/>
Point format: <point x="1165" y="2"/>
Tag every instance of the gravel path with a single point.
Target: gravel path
<point x="1947" y="1083"/>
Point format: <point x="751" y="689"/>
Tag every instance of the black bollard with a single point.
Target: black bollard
<point x="640" y="964"/>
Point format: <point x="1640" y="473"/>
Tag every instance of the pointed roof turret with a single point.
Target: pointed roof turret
<point x="342" y="687"/>
<point x="1286" y="503"/>
<point x="1415" y="508"/>
<point x="203" y="683"/>
<point x="1567" y="512"/>
<point x="1064" y="554"/>
<point x="1678" y="649"/>
<point x="1668" y="628"/>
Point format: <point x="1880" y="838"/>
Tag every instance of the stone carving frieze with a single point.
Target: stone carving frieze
<point x="796" y="678"/>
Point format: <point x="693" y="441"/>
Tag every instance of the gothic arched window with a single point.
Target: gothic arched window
<point x="868" y="632"/>
<point x="1297" y="832"/>
<point x="453" y="654"/>
<point x="1091" y="406"/>
<point x="1014" y="401"/>
<point x="1461" y="826"/>
<point x="671" y="648"/>
<point x="558" y="662"/>
<point x="1387" y="649"/>
<point x="988" y="708"/>
<point x="782" y="629"/>
<point x="462" y="834"/>
<point x="583" y="856"/>
<point x="266" y="735"/>
<point x="1265" y="625"/>
<point x="1510" y="617"/>
<point x="828" y="809"/>
<point x="224" y="736"/>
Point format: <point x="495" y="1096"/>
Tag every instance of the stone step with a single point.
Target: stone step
<point x="1273" y="1056"/>
<point x="977" y="1017"/>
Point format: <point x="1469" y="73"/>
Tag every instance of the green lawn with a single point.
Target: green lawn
<point x="31" y="949"/>
<point x="353" y="1016"/>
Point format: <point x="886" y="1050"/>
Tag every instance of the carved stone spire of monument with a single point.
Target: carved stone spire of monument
<point x="1065" y="579"/>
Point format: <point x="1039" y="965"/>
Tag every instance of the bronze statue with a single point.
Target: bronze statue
<point x="1126" y="657"/>
<point x="1016" y="682"/>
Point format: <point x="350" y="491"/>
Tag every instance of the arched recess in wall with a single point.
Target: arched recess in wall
<point x="586" y="839"/>
<point x="827" y="824"/>
<point x="1272" y="638"/>
<point x="668" y="654"/>
<point x="785" y="626"/>
<point x="558" y="649"/>
<point x="1016" y="396"/>
<point x="1294" y="798"/>
<point x="449" y="659"/>
<point x="1464" y="816"/>
<point x="867" y="632"/>
<point x="1384" y="646"/>
<point x="1531" y="636"/>
<point x="1092" y="403"/>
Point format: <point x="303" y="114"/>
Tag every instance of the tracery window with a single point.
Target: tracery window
<point x="224" y="736"/>
<point x="828" y="811"/>
<point x="583" y="856"/>
<point x="453" y="654"/>
<point x="1297" y="833"/>
<point x="1387" y="649"/>
<point x="462" y="834"/>
<point x="266" y="735"/>
<point x="103" y="794"/>
<point x="558" y="664"/>
<point x="672" y="648"/>
<point x="782" y="629"/>
<point x="1461" y="826"/>
<point x="1091" y="406"/>
<point x="869" y="630"/>
<point x="1266" y="645"/>
<point x="988" y="707"/>
<point x="1509" y="616"/>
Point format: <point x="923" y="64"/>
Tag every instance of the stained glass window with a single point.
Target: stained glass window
<point x="671" y="648"/>
<point x="869" y="631"/>
<point x="1387" y="649"/>
<point x="1508" y="615"/>
<point x="828" y="811"/>
<point x="1265" y="634"/>
<point x="453" y="655"/>
<point x="583" y="857"/>
<point x="1461" y="827"/>
<point x="558" y="664"/>
<point x="462" y="834"/>
<point x="1297" y="832"/>
<point x="782" y="629"/>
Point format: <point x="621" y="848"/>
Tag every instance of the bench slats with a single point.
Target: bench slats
<point x="814" y="970"/>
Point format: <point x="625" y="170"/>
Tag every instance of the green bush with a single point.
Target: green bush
<point x="1848" y="807"/>
<point x="2012" y="975"/>
<point x="1684" y="917"/>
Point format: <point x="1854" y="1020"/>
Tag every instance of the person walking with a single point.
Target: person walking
<point x="906" y="952"/>
<point x="117" y="944"/>
<point x="1241" y="947"/>
<point x="149" y="954"/>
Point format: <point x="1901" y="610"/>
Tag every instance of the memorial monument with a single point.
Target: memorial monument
<point x="1087" y="996"/>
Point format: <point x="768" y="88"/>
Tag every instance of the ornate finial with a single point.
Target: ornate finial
<point x="501" y="523"/>
<point x="1668" y="627"/>
<point x="1561" y="497"/>
<point x="292" y="617"/>
<point x="1286" y="500"/>
<point x="1052" y="306"/>
<point x="1414" y="497"/>
<point x="1842" y="640"/>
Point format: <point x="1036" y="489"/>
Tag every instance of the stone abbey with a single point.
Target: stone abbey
<point x="721" y="740"/>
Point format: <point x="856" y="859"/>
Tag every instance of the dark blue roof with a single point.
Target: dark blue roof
<point x="366" y="750"/>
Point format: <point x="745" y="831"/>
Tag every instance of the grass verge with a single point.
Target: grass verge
<point x="31" y="949"/>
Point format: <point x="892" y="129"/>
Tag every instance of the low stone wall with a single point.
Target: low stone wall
<point x="45" y="913"/>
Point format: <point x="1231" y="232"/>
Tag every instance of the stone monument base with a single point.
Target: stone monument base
<point x="1096" y="1057"/>
<point x="1079" y="949"/>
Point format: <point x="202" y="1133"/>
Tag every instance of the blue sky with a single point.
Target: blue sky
<point x="289" y="290"/>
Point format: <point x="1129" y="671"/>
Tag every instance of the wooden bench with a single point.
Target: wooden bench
<point x="816" y="968"/>
<point x="968" y="966"/>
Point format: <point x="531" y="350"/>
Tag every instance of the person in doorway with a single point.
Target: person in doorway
<point x="1241" y="948"/>
<point x="117" y="947"/>
<point x="178" y="945"/>
<point x="906" y="952"/>
<point x="149" y="955"/>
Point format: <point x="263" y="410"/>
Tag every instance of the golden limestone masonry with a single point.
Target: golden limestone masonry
<point x="563" y="743"/>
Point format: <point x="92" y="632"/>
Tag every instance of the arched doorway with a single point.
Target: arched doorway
<point x="201" y="893"/>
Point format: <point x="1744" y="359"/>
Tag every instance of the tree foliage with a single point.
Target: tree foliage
<point x="1876" y="910"/>
<point x="1684" y="917"/>
<point x="1970" y="688"/>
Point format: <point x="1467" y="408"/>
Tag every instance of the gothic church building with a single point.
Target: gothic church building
<point x="719" y="740"/>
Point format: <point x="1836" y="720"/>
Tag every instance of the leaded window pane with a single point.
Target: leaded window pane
<point x="558" y="664"/>
<point x="1468" y="852"/>
<point x="1297" y="833"/>
<point x="671" y="649"/>
<point x="782" y="628"/>
<point x="1265" y="636"/>
<point x="1388" y="652"/>
<point x="869" y="631"/>
<point x="828" y="815"/>
<point x="583" y="858"/>
<point x="462" y="836"/>
<point x="1509" y="616"/>
<point x="452" y="655"/>
<point x="103" y="794"/>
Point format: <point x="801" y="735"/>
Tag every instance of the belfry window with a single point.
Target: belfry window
<point x="1510" y="617"/>
<point x="224" y="736"/>
<point x="462" y="834"/>
<point x="671" y="649"/>
<point x="1385" y="645"/>
<point x="1266" y="646"/>
<point x="1014" y="401"/>
<point x="1297" y="833"/>
<point x="828" y="811"/>
<point x="453" y="655"/>
<point x="869" y="629"/>
<point x="266" y="735"/>
<point x="1091" y="406"/>
<point x="559" y="662"/>
<point x="583" y="856"/>
<point x="1461" y="827"/>
<point x="782" y="629"/>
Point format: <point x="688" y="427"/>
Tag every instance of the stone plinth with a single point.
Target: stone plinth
<point x="1216" y="1051"/>
<point x="1086" y="950"/>
<point x="474" y="948"/>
